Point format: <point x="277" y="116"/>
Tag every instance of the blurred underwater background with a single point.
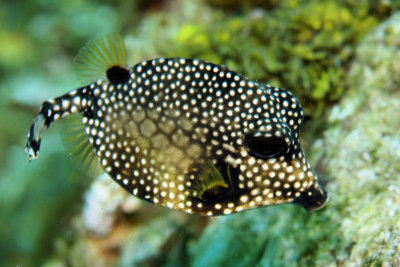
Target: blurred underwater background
<point x="341" y="58"/>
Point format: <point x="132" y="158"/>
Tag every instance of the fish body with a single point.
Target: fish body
<point x="192" y="136"/>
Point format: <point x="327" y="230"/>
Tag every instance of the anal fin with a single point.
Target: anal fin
<point x="80" y="149"/>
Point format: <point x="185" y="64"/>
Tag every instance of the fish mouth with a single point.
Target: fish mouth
<point x="321" y="204"/>
<point x="314" y="198"/>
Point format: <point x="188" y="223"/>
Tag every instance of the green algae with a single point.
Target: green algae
<point x="304" y="46"/>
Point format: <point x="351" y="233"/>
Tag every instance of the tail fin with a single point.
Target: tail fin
<point x="51" y="110"/>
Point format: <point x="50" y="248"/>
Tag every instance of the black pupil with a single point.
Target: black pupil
<point x="265" y="147"/>
<point x="117" y="74"/>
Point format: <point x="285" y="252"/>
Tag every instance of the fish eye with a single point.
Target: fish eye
<point x="265" y="147"/>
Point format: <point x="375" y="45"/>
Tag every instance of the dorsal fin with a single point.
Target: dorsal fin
<point x="80" y="149"/>
<point x="96" y="59"/>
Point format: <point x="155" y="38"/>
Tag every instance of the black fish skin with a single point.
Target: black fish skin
<point x="157" y="132"/>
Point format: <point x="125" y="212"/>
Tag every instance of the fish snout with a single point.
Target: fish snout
<point x="314" y="198"/>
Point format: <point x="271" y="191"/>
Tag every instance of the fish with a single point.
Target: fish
<point x="185" y="134"/>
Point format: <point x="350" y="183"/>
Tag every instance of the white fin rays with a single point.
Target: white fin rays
<point x="97" y="56"/>
<point x="80" y="149"/>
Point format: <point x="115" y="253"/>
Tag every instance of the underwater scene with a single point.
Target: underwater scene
<point x="200" y="133"/>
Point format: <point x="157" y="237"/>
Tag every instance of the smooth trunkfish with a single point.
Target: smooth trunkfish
<point x="184" y="133"/>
